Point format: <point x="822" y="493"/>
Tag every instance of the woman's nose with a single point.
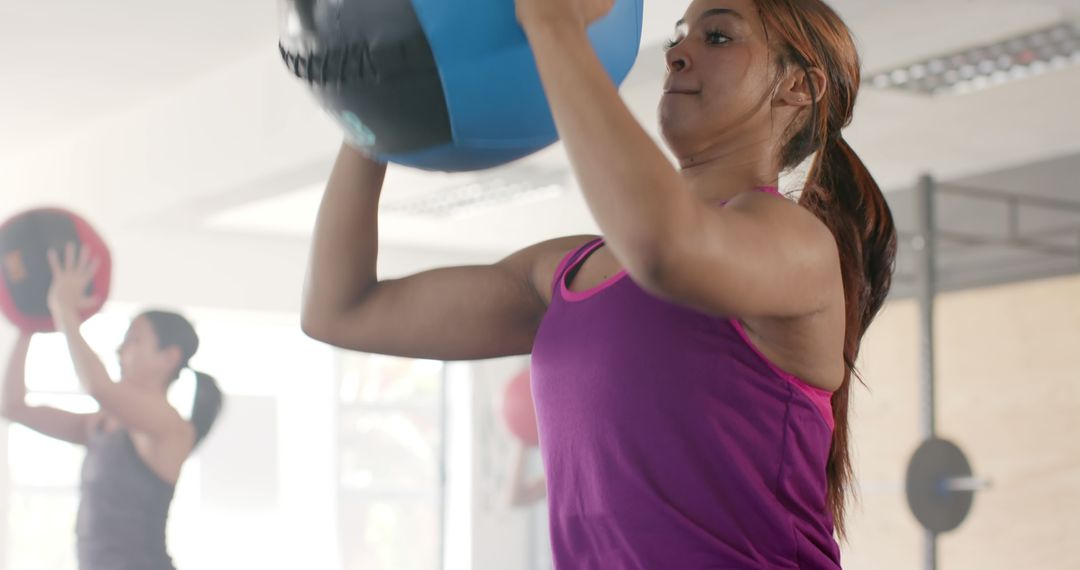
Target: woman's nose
<point x="677" y="60"/>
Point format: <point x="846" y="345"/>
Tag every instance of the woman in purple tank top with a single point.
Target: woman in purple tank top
<point x="692" y="368"/>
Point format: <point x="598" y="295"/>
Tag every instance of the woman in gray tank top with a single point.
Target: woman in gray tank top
<point x="136" y="444"/>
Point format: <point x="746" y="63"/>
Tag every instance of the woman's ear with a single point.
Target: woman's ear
<point x="801" y="88"/>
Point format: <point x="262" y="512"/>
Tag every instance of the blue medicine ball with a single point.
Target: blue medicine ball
<point x="446" y="85"/>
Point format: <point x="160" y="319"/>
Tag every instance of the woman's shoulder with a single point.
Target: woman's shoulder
<point x="540" y="263"/>
<point x="786" y="216"/>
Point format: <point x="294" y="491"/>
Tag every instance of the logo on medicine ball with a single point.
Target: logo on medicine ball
<point x="360" y="134"/>
<point x="14" y="267"/>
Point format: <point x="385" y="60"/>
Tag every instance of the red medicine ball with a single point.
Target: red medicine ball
<point x="24" y="242"/>
<point x="518" y="411"/>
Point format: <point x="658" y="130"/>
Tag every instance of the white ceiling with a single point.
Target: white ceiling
<point x="69" y="62"/>
<point x="179" y="115"/>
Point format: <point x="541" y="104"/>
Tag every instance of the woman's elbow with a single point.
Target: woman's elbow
<point x="11" y="411"/>
<point x="337" y="329"/>
<point x="315" y="325"/>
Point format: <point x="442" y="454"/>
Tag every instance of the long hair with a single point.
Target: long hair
<point x="173" y="329"/>
<point x="839" y="190"/>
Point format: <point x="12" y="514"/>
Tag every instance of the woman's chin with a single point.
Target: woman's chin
<point x="674" y="135"/>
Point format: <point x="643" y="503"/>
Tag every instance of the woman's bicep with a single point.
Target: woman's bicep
<point x="455" y="313"/>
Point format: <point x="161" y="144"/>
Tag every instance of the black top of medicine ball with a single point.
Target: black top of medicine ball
<point x="370" y="64"/>
<point x="340" y="41"/>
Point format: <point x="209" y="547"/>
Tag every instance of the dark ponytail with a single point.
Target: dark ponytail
<point x="839" y="191"/>
<point x="206" y="405"/>
<point x="173" y="329"/>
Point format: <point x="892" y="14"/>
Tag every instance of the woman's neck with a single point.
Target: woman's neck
<point x="719" y="175"/>
<point x="157" y="387"/>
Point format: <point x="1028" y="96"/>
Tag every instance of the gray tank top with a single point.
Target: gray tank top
<point x="123" y="508"/>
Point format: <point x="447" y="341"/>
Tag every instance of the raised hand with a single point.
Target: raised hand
<point x="71" y="277"/>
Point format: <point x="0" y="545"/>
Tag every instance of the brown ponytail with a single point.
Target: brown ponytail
<point x="206" y="405"/>
<point x="839" y="190"/>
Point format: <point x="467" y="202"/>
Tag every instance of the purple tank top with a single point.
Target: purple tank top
<point x="670" y="442"/>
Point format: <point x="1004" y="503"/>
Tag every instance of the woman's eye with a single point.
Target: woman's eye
<point x="716" y="38"/>
<point x="681" y="32"/>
